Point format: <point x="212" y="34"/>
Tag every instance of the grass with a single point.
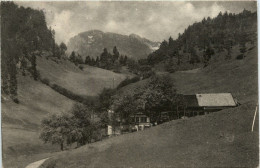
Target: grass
<point x="20" y="122"/>
<point x="221" y="139"/>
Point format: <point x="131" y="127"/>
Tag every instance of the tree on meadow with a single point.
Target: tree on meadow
<point x="87" y="60"/>
<point x="63" y="48"/>
<point x="55" y="129"/>
<point x="72" y="57"/>
<point x="242" y="43"/>
<point x="126" y="107"/>
<point x="97" y="61"/>
<point x="77" y="126"/>
<point x="82" y="126"/>
<point x="104" y="56"/>
<point x="121" y="60"/>
<point x="194" y="57"/>
<point x="160" y="93"/>
<point x="93" y="62"/>
<point x="207" y="55"/>
<point x="23" y="65"/>
<point x="115" y="54"/>
<point x="79" y="59"/>
<point x="57" y="51"/>
<point x="228" y="47"/>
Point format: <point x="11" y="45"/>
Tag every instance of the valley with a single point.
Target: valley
<point x="90" y="92"/>
<point x="221" y="139"/>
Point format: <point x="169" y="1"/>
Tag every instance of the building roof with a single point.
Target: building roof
<point x="215" y="100"/>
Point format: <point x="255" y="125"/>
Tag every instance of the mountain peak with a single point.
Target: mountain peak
<point x="93" y="42"/>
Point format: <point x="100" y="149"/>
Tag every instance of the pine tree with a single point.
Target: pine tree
<point x="87" y="60"/>
<point x="63" y="48"/>
<point x="228" y="47"/>
<point x="121" y="60"/>
<point x="34" y="70"/>
<point x="207" y="55"/>
<point x="93" y="62"/>
<point x="171" y="42"/>
<point x="23" y="65"/>
<point x="97" y="61"/>
<point x="53" y="43"/>
<point x="116" y="54"/>
<point x="125" y="60"/>
<point x="72" y="57"/>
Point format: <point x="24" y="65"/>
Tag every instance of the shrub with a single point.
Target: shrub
<point x="240" y="56"/>
<point x="148" y="74"/>
<point x="16" y="100"/>
<point x="81" y="67"/>
<point x="71" y="95"/>
<point x="128" y="81"/>
<point x="45" y="81"/>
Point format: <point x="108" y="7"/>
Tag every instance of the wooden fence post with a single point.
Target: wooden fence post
<point x="254" y="120"/>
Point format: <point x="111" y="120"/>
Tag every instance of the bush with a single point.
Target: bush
<point x="148" y="74"/>
<point x="71" y="95"/>
<point x="16" y="100"/>
<point x="128" y="81"/>
<point x="45" y="81"/>
<point x="240" y="56"/>
<point x="81" y="67"/>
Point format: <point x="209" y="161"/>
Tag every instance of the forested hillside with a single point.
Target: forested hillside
<point x="204" y="40"/>
<point x="25" y="36"/>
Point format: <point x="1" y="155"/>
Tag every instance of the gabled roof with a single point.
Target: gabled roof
<point x="215" y="100"/>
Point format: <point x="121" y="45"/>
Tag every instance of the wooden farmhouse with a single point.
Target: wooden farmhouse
<point x="200" y="104"/>
<point x="185" y="106"/>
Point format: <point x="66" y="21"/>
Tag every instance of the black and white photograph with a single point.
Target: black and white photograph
<point x="129" y="84"/>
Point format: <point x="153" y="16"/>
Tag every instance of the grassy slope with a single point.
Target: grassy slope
<point x="88" y="82"/>
<point x="238" y="77"/>
<point x="215" y="140"/>
<point x="20" y="122"/>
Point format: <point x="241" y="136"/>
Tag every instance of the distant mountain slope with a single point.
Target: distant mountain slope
<point x="93" y="42"/>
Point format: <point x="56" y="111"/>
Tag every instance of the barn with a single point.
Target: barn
<point x="200" y="104"/>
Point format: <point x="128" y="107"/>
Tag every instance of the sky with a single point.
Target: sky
<point x="154" y="20"/>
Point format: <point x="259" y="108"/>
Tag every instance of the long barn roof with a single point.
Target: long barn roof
<point x="215" y="100"/>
